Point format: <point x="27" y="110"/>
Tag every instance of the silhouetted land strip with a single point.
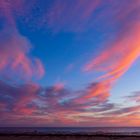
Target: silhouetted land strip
<point x="28" y="136"/>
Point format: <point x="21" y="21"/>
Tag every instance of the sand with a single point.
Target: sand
<point x="66" y="137"/>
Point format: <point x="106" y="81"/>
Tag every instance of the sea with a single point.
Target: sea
<point x="71" y="130"/>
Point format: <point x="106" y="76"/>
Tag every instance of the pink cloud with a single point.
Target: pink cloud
<point x="28" y="93"/>
<point x="15" y="48"/>
<point x="120" y="53"/>
<point x="14" y="55"/>
<point x="26" y="105"/>
<point x="119" y="56"/>
<point x="58" y="87"/>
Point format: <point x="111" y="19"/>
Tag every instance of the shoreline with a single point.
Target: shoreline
<point x="67" y="137"/>
<point x="70" y="134"/>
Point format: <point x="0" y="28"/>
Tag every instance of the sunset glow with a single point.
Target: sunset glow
<point x="69" y="63"/>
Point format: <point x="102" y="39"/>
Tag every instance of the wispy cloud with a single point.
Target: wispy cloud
<point x="120" y="53"/>
<point x="135" y="96"/>
<point x="15" y="48"/>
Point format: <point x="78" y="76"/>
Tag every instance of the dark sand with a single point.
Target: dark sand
<point x="67" y="137"/>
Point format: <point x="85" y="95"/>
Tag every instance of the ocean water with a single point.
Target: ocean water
<point x="71" y="130"/>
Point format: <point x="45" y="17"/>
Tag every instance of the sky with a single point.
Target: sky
<point x="69" y="63"/>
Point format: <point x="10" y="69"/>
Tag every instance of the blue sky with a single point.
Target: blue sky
<point x="69" y="63"/>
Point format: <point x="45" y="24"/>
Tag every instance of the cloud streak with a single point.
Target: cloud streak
<point x="121" y="52"/>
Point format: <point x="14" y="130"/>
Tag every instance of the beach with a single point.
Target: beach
<point x="68" y="137"/>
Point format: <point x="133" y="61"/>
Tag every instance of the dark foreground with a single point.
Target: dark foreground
<point x="68" y="137"/>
